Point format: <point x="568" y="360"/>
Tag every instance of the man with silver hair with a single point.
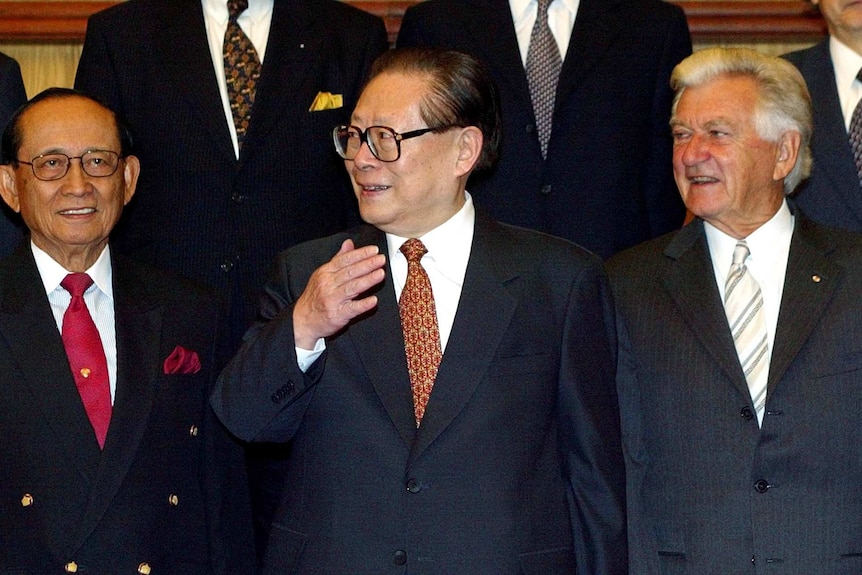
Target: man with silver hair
<point x="742" y="423"/>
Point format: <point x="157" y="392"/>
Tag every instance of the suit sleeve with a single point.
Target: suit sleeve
<point x="12" y="96"/>
<point x="590" y="428"/>
<point x="262" y="394"/>
<point x="666" y="210"/>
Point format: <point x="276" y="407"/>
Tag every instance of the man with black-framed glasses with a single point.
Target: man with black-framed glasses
<point x="112" y="461"/>
<point x="446" y="381"/>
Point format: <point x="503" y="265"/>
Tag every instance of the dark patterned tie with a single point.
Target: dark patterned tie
<point x="543" y="73"/>
<point x="87" y="356"/>
<point x="241" y="69"/>
<point x="419" y="323"/>
<point x="856" y="134"/>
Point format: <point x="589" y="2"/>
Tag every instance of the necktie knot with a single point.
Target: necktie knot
<point x="76" y="283"/>
<point x="543" y="8"/>
<point x="413" y="250"/>
<point x="740" y="253"/>
<point x="236" y="7"/>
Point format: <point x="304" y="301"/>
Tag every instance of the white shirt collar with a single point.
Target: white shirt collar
<point x="453" y="238"/>
<point x="257" y="11"/>
<point x="522" y="8"/>
<point x="846" y="64"/>
<point x="52" y="273"/>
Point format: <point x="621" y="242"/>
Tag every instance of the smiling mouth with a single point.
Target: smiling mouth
<point x="78" y="212"/>
<point x="702" y="180"/>
<point x="374" y="188"/>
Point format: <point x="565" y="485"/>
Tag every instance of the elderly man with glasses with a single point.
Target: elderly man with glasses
<point x="446" y="381"/>
<point x="112" y="461"/>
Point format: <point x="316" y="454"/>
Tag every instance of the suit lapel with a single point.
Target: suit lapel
<point x="809" y="283"/>
<point x="183" y="51"/>
<point x="596" y="29"/>
<point x="295" y="50"/>
<point x="28" y="325"/>
<point x="138" y="319"/>
<point x="470" y="351"/>
<point x="690" y="282"/>
<point x="834" y="155"/>
<point x="379" y="342"/>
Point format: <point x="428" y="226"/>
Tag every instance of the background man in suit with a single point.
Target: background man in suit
<point x="606" y="182"/>
<point x="514" y="464"/>
<point x="12" y="95"/>
<point x="206" y="207"/>
<point x="833" y="194"/>
<point x="742" y="442"/>
<point x="117" y="465"/>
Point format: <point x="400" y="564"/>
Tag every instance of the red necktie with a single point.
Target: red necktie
<point x="419" y="323"/>
<point x="87" y="356"/>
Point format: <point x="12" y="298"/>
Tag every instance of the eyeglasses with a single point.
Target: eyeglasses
<point x="95" y="163"/>
<point x="384" y="143"/>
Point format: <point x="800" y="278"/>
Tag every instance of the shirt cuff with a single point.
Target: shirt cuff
<point x="306" y="358"/>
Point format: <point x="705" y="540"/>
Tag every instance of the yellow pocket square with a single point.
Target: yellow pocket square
<point x="326" y="101"/>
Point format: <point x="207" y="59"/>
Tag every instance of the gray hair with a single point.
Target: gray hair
<point x="783" y="102"/>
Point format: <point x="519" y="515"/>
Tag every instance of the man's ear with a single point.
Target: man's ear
<point x="787" y="155"/>
<point x="8" y="188"/>
<point x="470" y="142"/>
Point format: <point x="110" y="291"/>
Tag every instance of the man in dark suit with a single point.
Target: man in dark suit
<point x="12" y="95"/>
<point x="740" y="461"/>
<point x="832" y="195"/>
<point x="606" y="183"/>
<point x="514" y="464"/>
<point x="205" y="207"/>
<point x="116" y="465"/>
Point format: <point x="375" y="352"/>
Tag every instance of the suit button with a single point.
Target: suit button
<point x="400" y="557"/>
<point x="238" y="198"/>
<point x="746" y="413"/>
<point x="173" y="500"/>
<point x="413" y="486"/>
<point x="226" y="266"/>
<point x="193" y="430"/>
<point x="27" y="500"/>
<point x="530" y="128"/>
<point x="144" y="569"/>
<point x="70" y="567"/>
<point x="545" y="190"/>
<point x="761" y="486"/>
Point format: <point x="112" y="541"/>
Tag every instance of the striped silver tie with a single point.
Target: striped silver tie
<point x="743" y="303"/>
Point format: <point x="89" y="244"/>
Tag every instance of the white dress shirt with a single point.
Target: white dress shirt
<point x="561" y="20"/>
<point x="255" y="22"/>
<point x="846" y="64"/>
<point x="449" y="246"/>
<point x="769" y="246"/>
<point x="99" y="298"/>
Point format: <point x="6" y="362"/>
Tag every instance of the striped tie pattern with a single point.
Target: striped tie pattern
<point x="241" y="69"/>
<point x="855" y="134"/>
<point x="419" y="323"/>
<point x="543" y="73"/>
<point x="743" y="303"/>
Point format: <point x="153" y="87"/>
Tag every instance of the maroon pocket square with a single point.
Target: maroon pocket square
<point x="183" y="361"/>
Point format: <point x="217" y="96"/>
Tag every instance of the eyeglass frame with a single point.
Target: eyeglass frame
<point x="32" y="161"/>
<point x="363" y="137"/>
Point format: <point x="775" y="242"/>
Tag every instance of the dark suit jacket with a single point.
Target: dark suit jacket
<point x="517" y="467"/>
<point x="61" y="498"/>
<point x="831" y="195"/>
<point x="197" y="209"/>
<point x="607" y="183"/>
<point x="709" y="490"/>
<point x="12" y="96"/>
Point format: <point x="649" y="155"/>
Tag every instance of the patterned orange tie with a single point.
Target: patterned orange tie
<point x="419" y="323"/>
<point x="241" y="69"/>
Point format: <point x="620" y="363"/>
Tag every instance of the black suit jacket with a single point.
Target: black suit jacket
<point x="831" y="195"/>
<point x="607" y="183"/>
<point x="12" y="96"/>
<point x="709" y="491"/>
<point x="64" y="500"/>
<point x="516" y="467"/>
<point x="197" y="209"/>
